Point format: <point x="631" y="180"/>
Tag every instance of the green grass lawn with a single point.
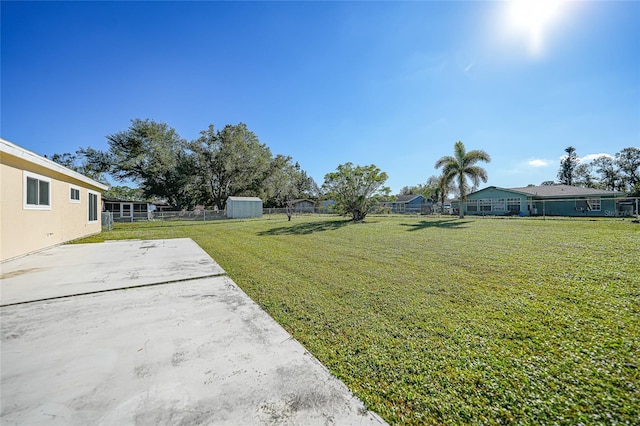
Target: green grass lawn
<point x="441" y="320"/>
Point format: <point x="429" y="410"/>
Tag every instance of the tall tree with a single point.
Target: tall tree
<point x="231" y="161"/>
<point x="67" y="159"/>
<point x="462" y="165"/>
<point x="87" y="161"/>
<point x="284" y="183"/>
<point x="124" y="193"/>
<point x="287" y="183"/>
<point x="610" y="177"/>
<point x="583" y="176"/>
<point x="568" y="166"/>
<point x="153" y="155"/>
<point x="352" y="187"/>
<point x="628" y="162"/>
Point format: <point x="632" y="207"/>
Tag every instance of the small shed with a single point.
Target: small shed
<point x="241" y="207"/>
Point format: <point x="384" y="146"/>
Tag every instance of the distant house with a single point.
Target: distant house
<point x="549" y="200"/>
<point x="243" y="207"/>
<point x="42" y="203"/>
<point x="411" y="204"/>
<point x="127" y="210"/>
<point x="303" y="206"/>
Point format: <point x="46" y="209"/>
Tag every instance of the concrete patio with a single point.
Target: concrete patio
<point x="152" y="332"/>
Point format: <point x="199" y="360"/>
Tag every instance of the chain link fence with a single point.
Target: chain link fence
<point x="194" y="215"/>
<point x="627" y="207"/>
<point x="107" y="221"/>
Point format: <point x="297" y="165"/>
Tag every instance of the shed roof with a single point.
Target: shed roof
<point x="230" y="198"/>
<point x="10" y="148"/>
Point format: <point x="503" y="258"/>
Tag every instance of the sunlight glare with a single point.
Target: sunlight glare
<point x="532" y="17"/>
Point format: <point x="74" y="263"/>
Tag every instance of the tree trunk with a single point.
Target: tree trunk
<point x="462" y="197"/>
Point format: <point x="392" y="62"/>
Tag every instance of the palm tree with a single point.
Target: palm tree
<point x="461" y="165"/>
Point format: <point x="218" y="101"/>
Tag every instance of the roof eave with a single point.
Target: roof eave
<point x="10" y="148"/>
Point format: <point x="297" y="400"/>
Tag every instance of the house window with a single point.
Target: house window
<point x="93" y="206"/>
<point x="74" y="194"/>
<point x="498" y="205"/>
<point x="37" y="192"/>
<point x="513" y="205"/>
<point x="472" y="205"/>
<point x="485" y="205"/>
<point x="594" y="204"/>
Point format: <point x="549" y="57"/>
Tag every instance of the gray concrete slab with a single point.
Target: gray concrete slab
<point x="85" y="268"/>
<point x="189" y="352"/>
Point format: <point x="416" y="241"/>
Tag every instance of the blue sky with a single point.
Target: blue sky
<point x="389" y="83"/>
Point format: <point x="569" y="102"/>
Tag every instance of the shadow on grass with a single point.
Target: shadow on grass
<point x="137" y="226"/>
<point x="306" y="228"/>
<point x="440" y="223"/>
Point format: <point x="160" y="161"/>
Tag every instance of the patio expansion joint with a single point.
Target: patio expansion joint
<point x="200" y="277"/>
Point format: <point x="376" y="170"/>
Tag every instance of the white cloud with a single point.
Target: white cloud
<point x="538" y="163"/>
<point x="591" y="157"/>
